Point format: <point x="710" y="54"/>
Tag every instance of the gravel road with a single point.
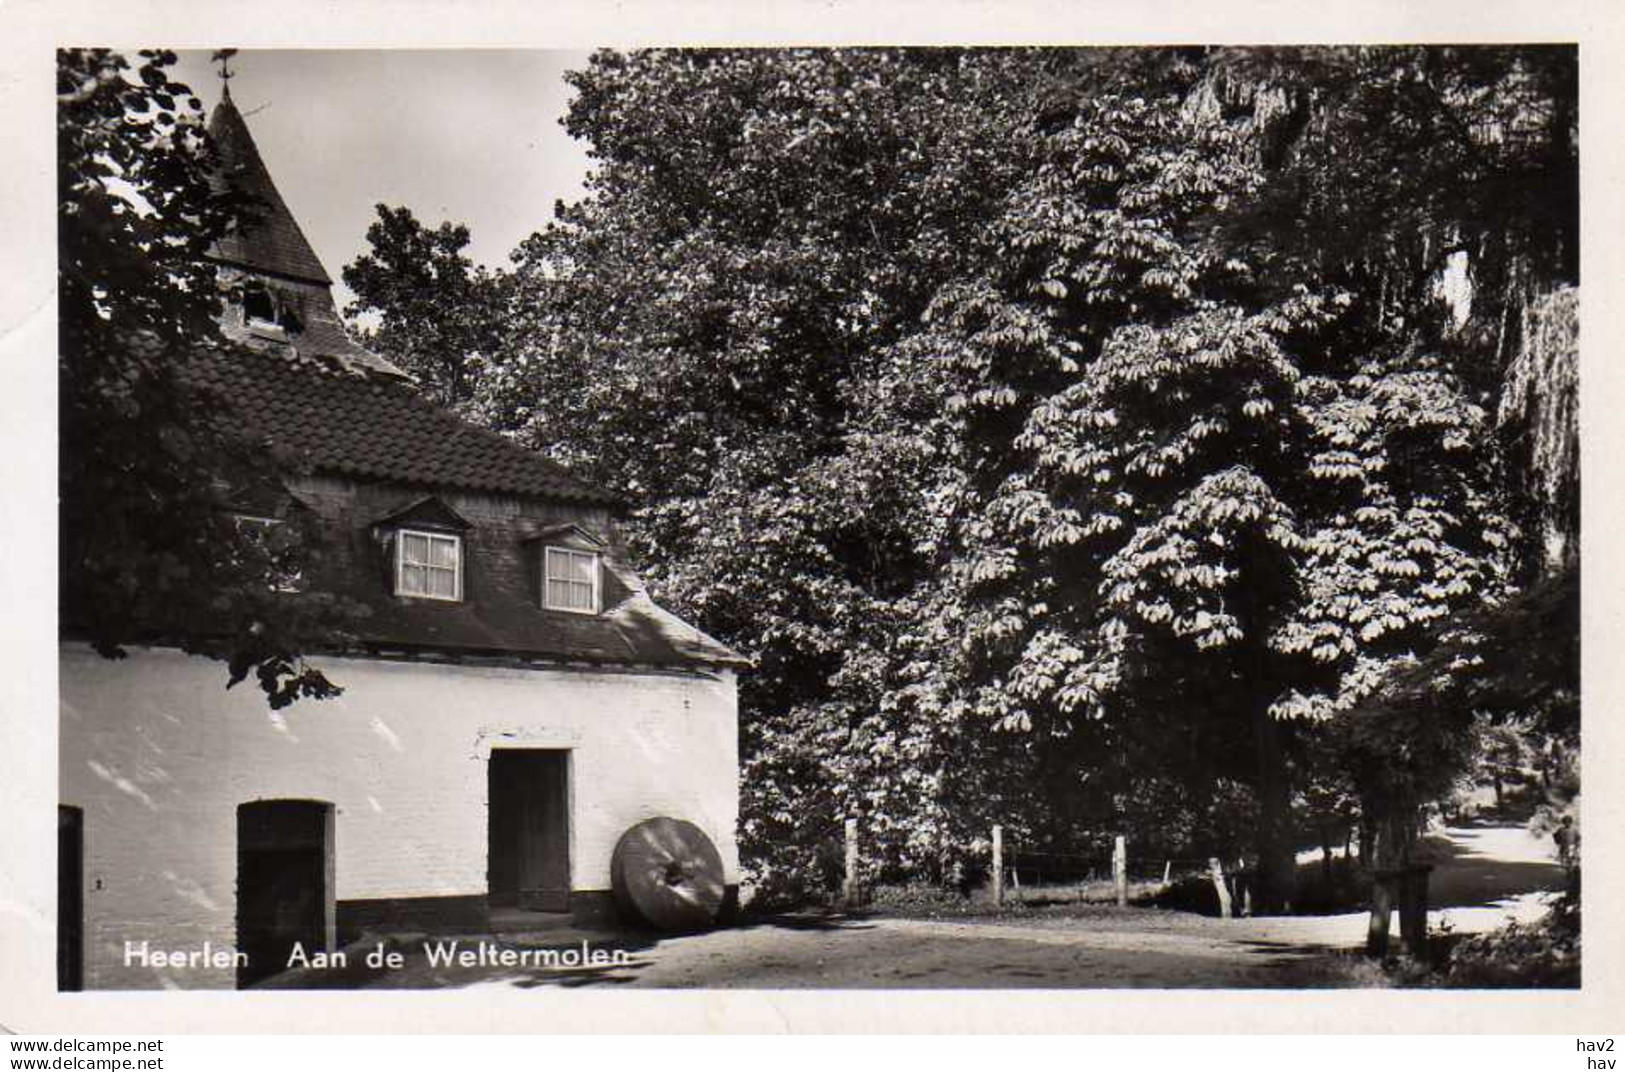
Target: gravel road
<point x="1483" y="877"/>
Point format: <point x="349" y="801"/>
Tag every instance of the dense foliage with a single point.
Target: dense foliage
<point x="1071" y="436"/>
<point x="437" y="314"/>
<point x="151" y="476"/>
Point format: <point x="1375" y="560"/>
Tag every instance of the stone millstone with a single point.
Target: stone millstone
<point x="666" y="873"/>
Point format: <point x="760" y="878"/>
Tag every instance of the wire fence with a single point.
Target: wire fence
<point x="1035" y="867"/>
<point x="1013" y="871"/>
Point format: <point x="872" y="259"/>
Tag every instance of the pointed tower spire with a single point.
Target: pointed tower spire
<point x="275" y="252"/>
<point x="276" y="244"/>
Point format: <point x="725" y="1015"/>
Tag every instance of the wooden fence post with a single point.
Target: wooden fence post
<point x="1120" y="870"/>
<point x="998" y="864"/>
<point x="849" y="889"/>
<point x="1413" y="909"/>
<point x="1217" y="873"/>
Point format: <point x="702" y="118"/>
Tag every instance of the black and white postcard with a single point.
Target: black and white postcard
<point x="1069" y="511"/>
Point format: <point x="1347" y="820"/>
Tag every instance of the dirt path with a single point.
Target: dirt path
<point x="1483" y="877"/>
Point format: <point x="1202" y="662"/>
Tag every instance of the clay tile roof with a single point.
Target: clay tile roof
<point x="276" y="244"/>
<point x="351" y="421"/>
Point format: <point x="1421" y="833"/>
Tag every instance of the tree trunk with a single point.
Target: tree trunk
<point x="1277" y="866"/>
<point x="1382" y="908"/>
<point x="1396" y="828"/>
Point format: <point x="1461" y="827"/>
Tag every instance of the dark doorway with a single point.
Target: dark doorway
<point x="529" y="829"/>
<point x="284" y="883"/>
<point x="70" y="898"/>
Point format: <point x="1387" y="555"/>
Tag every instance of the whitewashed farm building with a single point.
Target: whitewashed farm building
<point x="515" y="703"/>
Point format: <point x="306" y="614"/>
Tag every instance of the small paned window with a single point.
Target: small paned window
<point x="428" y="565"/>
<point x="571" y="581"/>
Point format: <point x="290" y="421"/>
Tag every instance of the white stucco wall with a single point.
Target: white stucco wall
<point x="159" y="755"/>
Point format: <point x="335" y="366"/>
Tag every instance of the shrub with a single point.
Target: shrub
<point x="916" y="897"/>
<point x="1542" y="954"/>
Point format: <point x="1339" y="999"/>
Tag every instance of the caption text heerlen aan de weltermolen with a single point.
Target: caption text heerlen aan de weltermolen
<point x="440" y="954"/>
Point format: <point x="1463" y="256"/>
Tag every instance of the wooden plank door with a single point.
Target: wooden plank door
<point x="283" y="847"/>
<point x="529" y="829"/>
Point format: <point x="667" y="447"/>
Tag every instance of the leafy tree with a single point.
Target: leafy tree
<point x="1539" y="411"/>
<point x="151" y="467"/>
<point x="438" y="314"/>
<point x="975" y="395"/>
<point x="1427" y="176"/>
<point x="710" y="325"/>
<point x="1433" y="175"/>
<point x="1193" y="472"/>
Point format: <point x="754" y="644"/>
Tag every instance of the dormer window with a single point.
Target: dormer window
<point x="568" y="561"/>
<point x="570" y="580"/>
<point x="428" y="565"/>
<point x="423" y="546"/>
